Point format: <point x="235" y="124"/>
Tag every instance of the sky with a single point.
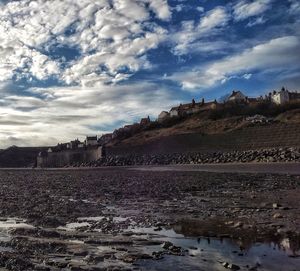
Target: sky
<point x="70" y="68"/>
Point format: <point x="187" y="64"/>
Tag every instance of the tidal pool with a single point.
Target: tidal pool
<point x="211" y="253"/>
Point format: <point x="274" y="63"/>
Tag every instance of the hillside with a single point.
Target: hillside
<point x="199" y="133"/>
<point x="195" y="133"/>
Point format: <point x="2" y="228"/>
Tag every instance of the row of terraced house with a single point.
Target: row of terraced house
<point x="93" y="147"/>
<point x="276" y="97"/>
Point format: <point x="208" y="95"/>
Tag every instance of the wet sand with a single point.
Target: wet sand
<point x="276" y="168"/>
<point x="153" y="218"/>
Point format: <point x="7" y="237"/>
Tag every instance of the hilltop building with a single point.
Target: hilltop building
<point x="163" y="116"/>
<point x="74" y="152"/>
<point x="237" y="96"/>
<point x="188" y="109"/>
<point x="145" y="121"/>
<point x="91" y="141"/>
<point x="283" y="96"/>
<point x="174" y="112"/>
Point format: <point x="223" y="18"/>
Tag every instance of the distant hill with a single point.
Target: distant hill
<point x="19" y="156"/>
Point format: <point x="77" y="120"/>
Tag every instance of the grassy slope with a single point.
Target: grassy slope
<point x="202" y="125"/>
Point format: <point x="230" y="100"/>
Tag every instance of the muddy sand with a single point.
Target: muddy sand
<point x="127" y="219"/>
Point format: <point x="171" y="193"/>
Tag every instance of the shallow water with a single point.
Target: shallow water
<point x="13" y="223"/>
<point x="210" y="253"/>
<point x="74" y="226"/>
<point x="200" y="253"/>
<point x="203" y="253"/>
<point x="7" y="224"/>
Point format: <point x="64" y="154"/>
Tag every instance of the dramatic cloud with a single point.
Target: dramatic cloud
<point x="214" y="18"/>
<point x="76" y="112"/>
<point x="110" y="36"/>
<point x="276" y="55"/>
<point x="295" y="7"/>
<point x="246" y="9"/>
<point x="188" y="39"/>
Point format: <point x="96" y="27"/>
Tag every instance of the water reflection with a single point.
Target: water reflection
<point x="206" y="251"/>
<point x="245" y="239"/>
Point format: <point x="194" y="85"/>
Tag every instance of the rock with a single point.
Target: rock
<point x="131" y="258"/>
<point x="231" y="266"/>
<point x="276" y="205"/>
<point x="238" y="224"/>
<point x="277" y="215"/>
<point x="157" y="255"/>
<point x="94" y="259"/>
<point x="225" y="264"/>
<point x="128" y="258"/>
<point x="263" y="155"/>
<point x="166" y="245"/>
<point x="158" y="229"/>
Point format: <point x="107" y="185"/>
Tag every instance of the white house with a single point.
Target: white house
<point x="280" y="97"/>
<point x="174" y="112"/>
<point x="163" y="115"/>
<point x="91" y="141"/>
<point x="237" y="96"/>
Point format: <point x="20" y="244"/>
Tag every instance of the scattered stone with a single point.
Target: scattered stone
<point x="157" y="255"/>
<point x="238" y="224"/>
<point x="261" y="155"/>
<point x="94" y="259"/>
<point x="277" y="215"/>
<point x="158" y="229"/>
<point x="276" y="205"/>
<point x="166" y="245"/>
<point x="231" y="266"/>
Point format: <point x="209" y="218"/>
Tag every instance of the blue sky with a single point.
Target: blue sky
<point x="70" y="68"/>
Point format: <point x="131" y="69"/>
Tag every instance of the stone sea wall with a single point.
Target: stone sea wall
<point x="262" y="155"/>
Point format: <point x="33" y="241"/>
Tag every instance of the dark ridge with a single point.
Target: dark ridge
<point x="19" y="156"/>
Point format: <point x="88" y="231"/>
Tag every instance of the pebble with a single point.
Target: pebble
<point x="277" y="215"/>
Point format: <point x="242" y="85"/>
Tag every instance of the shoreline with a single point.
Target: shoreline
<point x="250" y="167"/>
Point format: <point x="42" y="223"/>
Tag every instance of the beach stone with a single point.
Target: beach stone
<point x="277" y="215"/>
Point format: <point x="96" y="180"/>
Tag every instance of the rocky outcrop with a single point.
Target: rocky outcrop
<point x="263" y="155"/>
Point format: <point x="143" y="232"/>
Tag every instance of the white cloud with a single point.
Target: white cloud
<point x="247" y="76"/>
<point x="75" y="111"/>
<point x="295" y="7"/>
<point x="217" y="17"/>
<point x="189" y="38"/>
<point x="278" y="54"/>
<point x="112" y="34"/>
<point x="200" y="9"/>
<point x="245" y="9"/>
<point x="160" y="8"/>
<point x="256" y="21"/>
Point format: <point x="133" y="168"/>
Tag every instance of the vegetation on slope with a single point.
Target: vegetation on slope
<point x="226" y="118"/>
